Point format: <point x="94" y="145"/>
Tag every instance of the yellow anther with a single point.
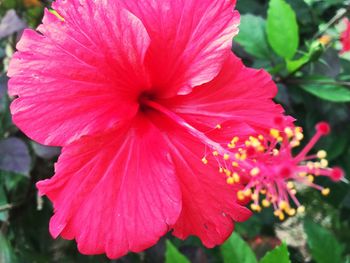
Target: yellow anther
<point x="290" y="185"/>
<point x="299" y="136"/>
<point x="293" y="192"/>
<point x="228" y="172"/>
<point x="226" y="156"/>
<point x="235" y="164"/>
<point x="298" y="129"/>
<point x="302" y="174"/>
<point x="255" y="207"/>
<point x="321" y="154"/>
<point x="275" y="152"/>
<point x="275" y="133"/>
<point x="291" y="212"/>
<point x="279" y="139"/>
<point x="324" y="163"/>
<point x="317" y="165"/>
<point x="325" y="191"/>
<point x="221" y="170"/>
<point x="261" y="148"/>
<point x="263" y="191"/>
<point x="255" y="197"/>
<point x="265" y="203"/>
<point x="237" y="156"/>
<point x="310" y="165"/>
<point x="247" y="143"/>
<point x="240" y="195"/>
<point x="277" y="212"/>
<point x="289" y="132"/>
<point x="218" y="127"/>
<point x="256" y="144"/>
<point x="204" y="160"/>
<point x="295" y="144"/>
<point x="254" y="141"/>
<point x="301" y="209"/>
<point x="281" y="216"/>
<point x="231" y="145"/>
<point x="261" y="137"/>
<point x="248" y="192"/>
<point x="230" y="180"/>
<point x="215" y="153"/>
<point x="283" y="205"/>
<point x="310" y="178"/>
<point x="255" y="171"/>
<point x="243" y="156"/>
<point x="325" y="40"/>
<point x="236" y="177"/>
<point x="235" y="139"/>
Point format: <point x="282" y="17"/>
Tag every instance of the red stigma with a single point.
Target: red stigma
<point x="323" y="128"/>
<point x="337" y="174"/>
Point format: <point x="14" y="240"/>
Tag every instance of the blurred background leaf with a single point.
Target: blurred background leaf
<point x="323" y="245"/>
<point x="282" y="29"/>
<point x="255" y="44"/>
<point x="236" y="250"/>
<point x="278" y="255"/>
<point x="172" y="255"/>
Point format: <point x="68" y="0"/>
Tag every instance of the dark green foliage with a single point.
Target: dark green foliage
<point x="278" y="255"/>
<point x="236" y="250"/>
<point x="327" y="251"/>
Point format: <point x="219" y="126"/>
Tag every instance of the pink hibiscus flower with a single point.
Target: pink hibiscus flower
<point x="137" y="92"/>
<point x="345" y="37"/>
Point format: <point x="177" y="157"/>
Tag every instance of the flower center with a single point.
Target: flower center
<point x="143" y="100"/>
<point x="147" y="103"/>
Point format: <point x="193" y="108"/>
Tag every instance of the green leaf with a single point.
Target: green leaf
<point x="330" y="92"/>
<point x="294" y="65"/>
<point x="279" y="255"/>
<point x="172" y="255"/>
<point x="255" y="44"/>
<point x="236" y="250"/>
<point x="6" y="253"/>
<point x="3" y="202"/>
<point x="282" y="29"/>
<point x="323" y="246"/>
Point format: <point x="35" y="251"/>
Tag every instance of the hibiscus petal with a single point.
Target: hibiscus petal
<point x="209" y="204"/>
<point x="116" y="192"/>
<point x="189" y="40"/>
<point x="84" y="76"/>
<point x="238" y="94"/>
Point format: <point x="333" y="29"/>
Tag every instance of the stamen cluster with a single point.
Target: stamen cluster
<point x="269" y="171"/>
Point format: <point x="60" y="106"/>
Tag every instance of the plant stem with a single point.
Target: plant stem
<point x="334" y="21"/>
<point x="6" y="207"/>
